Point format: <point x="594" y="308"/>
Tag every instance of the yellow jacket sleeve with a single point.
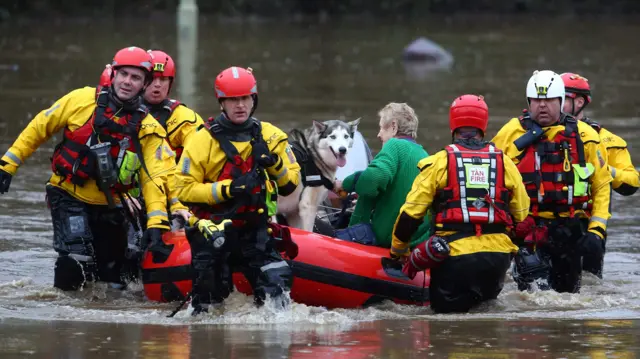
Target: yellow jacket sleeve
<point x="181" y="125"/>
<point x="625" y="176"/>
<point x="202" y="161"/>
<point x="39" y="130"/>
<point x="154" y="179"/>
<point x="170" y="185"/>
<point x="600" y="180"/>
<point x="624" y="173"/>
<point x="520" y="202"/>
<point x="506" y="135"/>
<point x="286" y="171"/>
<point x="432" y="176"/>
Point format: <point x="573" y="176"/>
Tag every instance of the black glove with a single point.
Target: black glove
<point x="245" y="184"/>
<point x="5" y="179"/>
<point x="591" y="244"/>
<point x="264" y="157"/>
<point x="159" y="250"/>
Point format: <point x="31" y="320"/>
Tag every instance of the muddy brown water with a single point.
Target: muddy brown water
<point x="345" y="69"/>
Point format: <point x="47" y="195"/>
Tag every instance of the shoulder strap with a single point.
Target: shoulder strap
<point x="595" y="125"/>
<point x="217" y="132"/>
<point x="571" y="130"/>
<point x="102" y="102"/>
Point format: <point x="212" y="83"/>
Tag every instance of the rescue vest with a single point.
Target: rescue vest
<point x="73" y="159"/>
<point x="162" y="113"/>
<point x="555" y="172"/>
<point x="475" y="199"/>
<point x="258" y="206"/>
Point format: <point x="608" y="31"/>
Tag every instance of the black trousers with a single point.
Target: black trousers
<point x="564" y="272"/>
<point x="247" y="251"/>
<point x="594" y="263"/>
<point x="462" y="282"/>
<point x="91" y="241"/>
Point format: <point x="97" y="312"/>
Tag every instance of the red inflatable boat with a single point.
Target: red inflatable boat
<point x="328" y="272"/>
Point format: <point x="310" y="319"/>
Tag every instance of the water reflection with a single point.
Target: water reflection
<point x="380" y="339"/>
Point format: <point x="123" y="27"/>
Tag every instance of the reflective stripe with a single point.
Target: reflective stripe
<point x="479" y="214"/>
<point x="81" y="258"/>
<point x="282" y="174"/>
<point x="599" y="220"/>
<point x="13" y="157"/>
<point x="463" y="188"/>
<point x="399" y="251"/>
<point x="493" y="173"/>
<point x="274" y="265"/>
<point x="173" y="201"/>
<point x="613" y="171"/>
<point x="50" y="111"/>
<point x="186" y="165"/>
<point x="156" y="213"/>
<point x="214" y="193"/>
<point x="169" y="151"/>
<point x="570" y="194"/>
<point x="159" y="153"/>
<point x="537" y="168"/>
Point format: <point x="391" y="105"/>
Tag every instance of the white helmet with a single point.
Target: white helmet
<point x="545" y="84"/>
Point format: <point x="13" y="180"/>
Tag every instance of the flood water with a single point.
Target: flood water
<point x="345" y="69"/>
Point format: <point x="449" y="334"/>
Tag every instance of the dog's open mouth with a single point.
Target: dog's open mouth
<point x="341" y="159"/>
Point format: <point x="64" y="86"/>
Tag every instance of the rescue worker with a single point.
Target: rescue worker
<point x="178" y="120"/>
<point x="231" y="169"/>
<point x="567" y="180"/>
<point x="625" y="176"/>
<point x="110" y="143"/>
<point x="473" y="191"/>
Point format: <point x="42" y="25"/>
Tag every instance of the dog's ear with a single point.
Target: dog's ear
<point x="319" y="126"/>
<point x="353" y="125"/>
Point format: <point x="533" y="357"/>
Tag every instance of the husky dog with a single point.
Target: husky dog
<point x="320" y="150"/>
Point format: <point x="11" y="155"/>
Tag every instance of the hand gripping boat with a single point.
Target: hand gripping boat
<point x="328" y="272"/>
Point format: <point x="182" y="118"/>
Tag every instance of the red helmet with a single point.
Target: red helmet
<point x="135" y="57"/>
<point x="469" y="111"/>
<point x="105" y="77"/>
<point x="575" y="85"/>
<point x="236" y="82"/>
<point x="163" y="65"/>
<point x="170" y="280"/>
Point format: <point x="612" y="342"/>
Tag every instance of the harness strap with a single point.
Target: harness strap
<point x="311" y="174"/>
<point x="465" y="229"/>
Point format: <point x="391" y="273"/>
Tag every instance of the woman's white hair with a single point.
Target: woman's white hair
<point x="404" y="116"/>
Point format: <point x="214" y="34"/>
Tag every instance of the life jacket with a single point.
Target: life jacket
<point x="72" y="158"/>
<point x="555" y="172"/>
<point x="249" y="209"/>
<point x="162" y="113"/>
<point x="475" y="199"/>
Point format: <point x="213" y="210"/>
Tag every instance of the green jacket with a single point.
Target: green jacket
<point x="383" y="187"/>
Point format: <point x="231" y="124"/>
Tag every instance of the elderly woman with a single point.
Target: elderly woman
<point x="383" y="186"/>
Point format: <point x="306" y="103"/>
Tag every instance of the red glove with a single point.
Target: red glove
<point x="428" y="254"/>
<point x="525" y="228"/>
<point x="285" y="244"/>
